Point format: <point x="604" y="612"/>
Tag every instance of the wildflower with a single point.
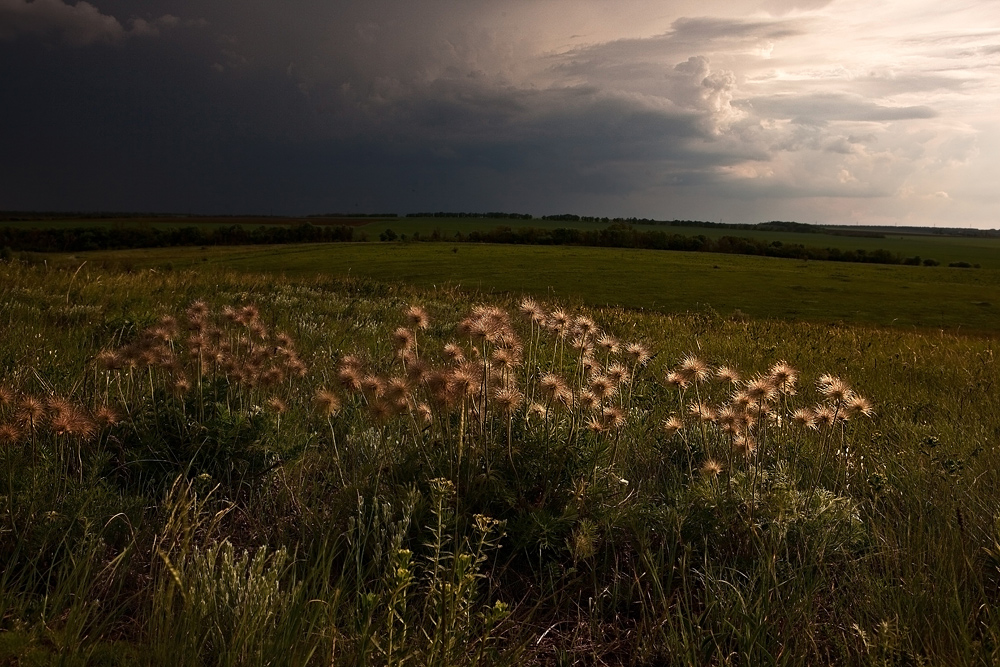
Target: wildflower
<point x="702" y="411"/>
<point x="180" y="386"/>
<point x="745" y="444"/>
<point x="507" y="399"/>
<point x="559" y="322"/>
<point x="677" y="380"/>
<point x="10" y="434"/>
<point x="804" y="417"/>
<point x="584" y="327"/>
<point x="464" y="381"/>
<point x="711" y="469"/>
<point x="109" y="360"/>
<point x="372" y="386"/>
<point x="835" y="389"/>
<point x="727" y="374"/>
<point x="638" y="353"/>
<point x="671" y="425"/>
<point x="538" y="411"/>
<point x="277" y="405"/>
<point x="693" y="369"/>
<point x="590" y="364"/>
<point x="608" y="343"/>
<point x="350" y="377"/>
<point x="416" y="370"/>
<point x="859" y="405"/>
<point x="30" y="412"/>
<point x="824" y="416"/>
<point x="417" y="317"/>
<point x="198" y="310"/>
<point x="553" y="387"/>
<point x="731" y="420"/>
<point x="106" y="416"/>
<point x="424" y="412"/>
<point x="618" y="374"/>
<point x="613" y="418"/>
<point x="454" y="353"/>
<point x="327" y="403"/>
<point x="508" y="357"/>
<point x="761" y="390"/>
<point x="403" y="338"/>
<point x="603" y="387"/>
<point x="587" y="400"/>
<point x="397" y="389"/>
<point x="6" y="396"/>
<point x="531" y="309"/>
<point x="783" y="377"/>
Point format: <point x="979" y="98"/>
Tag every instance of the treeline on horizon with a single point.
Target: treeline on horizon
<point x="618" y="235"/>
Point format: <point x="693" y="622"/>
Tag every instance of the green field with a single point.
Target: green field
<point x="900" y="296"/>
<point x="261" y="458"/>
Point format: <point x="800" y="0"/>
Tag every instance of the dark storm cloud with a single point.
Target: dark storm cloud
<point x="310" y="105"/>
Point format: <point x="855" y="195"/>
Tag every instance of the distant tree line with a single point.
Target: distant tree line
<point x="618" y="235"/>
<point x="492" y="214"/>
<point x="80" y="239"/>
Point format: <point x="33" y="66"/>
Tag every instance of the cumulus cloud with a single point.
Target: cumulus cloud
<point x="75" y="25"/>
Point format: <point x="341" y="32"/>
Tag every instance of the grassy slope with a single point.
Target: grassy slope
<point x="665" y="281"/>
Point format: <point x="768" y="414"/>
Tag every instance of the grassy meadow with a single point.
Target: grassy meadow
<point x="391" y="454"/>
<point x="665" y="281"/>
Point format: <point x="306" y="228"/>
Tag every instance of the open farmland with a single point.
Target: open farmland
<point x="901" y="296"/>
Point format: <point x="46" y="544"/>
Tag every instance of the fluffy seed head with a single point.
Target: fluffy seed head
<point x="835" y="389"/>
<point x="671" y="425"/>
<point x="761" y="390"/>
<point x="372" y="386"/>
<point x="675" y="379"/>
<point x="403" y="338"/>
<point x="587" y="400"/>
<point x="553" y="387"/>
<point x="608" y="343"/>
<point x="702" y="411"/>
<point x="859" y="405"/>
<point x="507" y="399"/>
<point x="727" y="374"/>
<point x="638" y="353"/>
<point x="106" y="416"/>
<point x="824" y="416"/>
<point x="710" y="469"/>
<point x="694" y="369"/>
<point x="603" y="387"/>
<point x="417" y="317"/>
<point x="454" y="353"/>
<point x="783" y="377"/>
<point x="804" y="418"/>
<point x="10" y="434"/>
<point x="30" y="411"/>
<point x="327" y="403"/>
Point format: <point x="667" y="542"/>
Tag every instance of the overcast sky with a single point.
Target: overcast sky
<point x="841" y="111"/>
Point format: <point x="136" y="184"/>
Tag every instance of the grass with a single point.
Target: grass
<point x="263" y="513"/>
<point x="664" y="281"/>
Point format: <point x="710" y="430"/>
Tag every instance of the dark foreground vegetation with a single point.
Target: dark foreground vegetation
<point x="233" y="469"/>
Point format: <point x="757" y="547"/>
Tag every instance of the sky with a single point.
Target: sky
<point x="820" y="111"/>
